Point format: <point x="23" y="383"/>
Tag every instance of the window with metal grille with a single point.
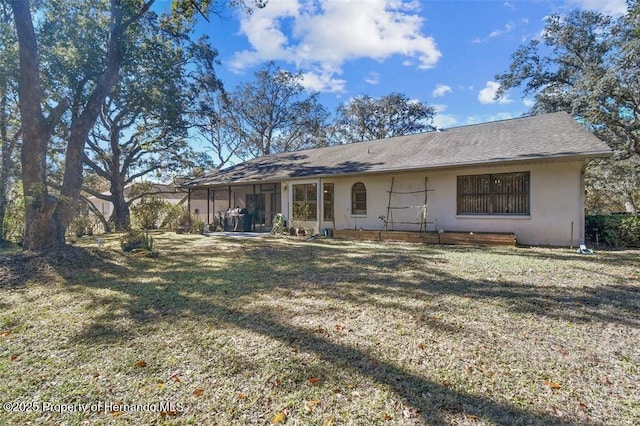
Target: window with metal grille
<point x="494" y="194"/>
<point x="359" y="199"/>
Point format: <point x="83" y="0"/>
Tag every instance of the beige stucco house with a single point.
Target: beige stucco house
<point x="523" y="176"/>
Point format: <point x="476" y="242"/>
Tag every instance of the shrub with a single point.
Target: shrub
<point x="14" y="220"/>
<point x="187" y="222"/>
<point x="81" y="225"/>
<point x="173" y="216"/>
<point x="279" y="223"/>
<point x="615" y="231"/>
<point x="148" y="213"/>
<point x="197" y="225"/>
<point x="131" y="241"/>
<point x="629" y="231"/>
<point x="138" y="242"/>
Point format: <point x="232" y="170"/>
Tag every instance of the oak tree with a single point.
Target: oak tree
<point x="588" y="64"/>
<point x="275" y="114"/>
<point x="368" y="118"/>
<point x="47" y="213"/>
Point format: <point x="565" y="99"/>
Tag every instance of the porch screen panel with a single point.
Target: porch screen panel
<point x="494" y="194"/>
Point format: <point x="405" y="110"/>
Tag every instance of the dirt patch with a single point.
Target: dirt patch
<point x="21" y="267"/>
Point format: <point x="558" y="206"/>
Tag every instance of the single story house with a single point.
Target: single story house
<point x="523" y="176"/>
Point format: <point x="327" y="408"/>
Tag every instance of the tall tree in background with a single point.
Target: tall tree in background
<point x="213" y="122"/>
<point x="48" y="215"/>
<point x="274" y="114"/>
<point x="367" y="118"/>
<point x="588" y="64"/>
<point x="141" y="127"/>
<point x="210" y="110"/>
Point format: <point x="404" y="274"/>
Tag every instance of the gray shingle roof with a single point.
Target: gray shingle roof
<point x="541" y="137"/>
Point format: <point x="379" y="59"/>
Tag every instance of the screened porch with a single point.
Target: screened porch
<point x="246" y="208"/>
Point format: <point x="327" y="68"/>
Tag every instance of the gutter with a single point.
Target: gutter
<point x="587" y="156"/>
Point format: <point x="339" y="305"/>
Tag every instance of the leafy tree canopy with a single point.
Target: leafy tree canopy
<point x="368" y="118"/>
<point x="76" y="79"/>
<point x="275" y="114"/>
<point x="587" y="64"/>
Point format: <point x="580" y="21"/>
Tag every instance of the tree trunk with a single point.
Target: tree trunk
<point x="121" y="215"/>
<point x="3" y="205"/>
<point x="98" y="214"/>
<point x="47" y="218"/>
<point x="42" y="230"/>
<point x="6" y="146"/>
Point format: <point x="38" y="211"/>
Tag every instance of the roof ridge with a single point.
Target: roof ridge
<point x="522" y="117"/>
<point x="464" y="126"/>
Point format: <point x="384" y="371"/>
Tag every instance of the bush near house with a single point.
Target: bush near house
<point x="148" y="213"/>
<point x="613" y="230"/>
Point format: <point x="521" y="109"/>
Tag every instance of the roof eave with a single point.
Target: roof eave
<point x="452" y="165"/>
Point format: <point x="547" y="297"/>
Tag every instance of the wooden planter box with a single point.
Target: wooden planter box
<point x="467" y="238"/>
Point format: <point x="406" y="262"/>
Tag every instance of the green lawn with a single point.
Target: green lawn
<point x="254" y="331"/>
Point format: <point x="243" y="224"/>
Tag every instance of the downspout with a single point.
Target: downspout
<point x="208" y="206"/>
<point x="319" y="205"/>
<point x="582" y="202"/>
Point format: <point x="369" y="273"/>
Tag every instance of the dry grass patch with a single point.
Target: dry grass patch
<point x="228" y="331"/>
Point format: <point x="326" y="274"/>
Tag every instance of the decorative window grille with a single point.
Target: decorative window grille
<point x="494" y="194"/>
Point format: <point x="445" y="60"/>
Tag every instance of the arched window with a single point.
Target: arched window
<point x="358" y="199"/>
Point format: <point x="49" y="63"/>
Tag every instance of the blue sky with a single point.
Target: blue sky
<point x="443" y="53"/>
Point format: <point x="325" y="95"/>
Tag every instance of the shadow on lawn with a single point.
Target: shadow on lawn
<point x="255" y="267"/>
<point x="601" y="258"/>
<point x="607" y="303"/>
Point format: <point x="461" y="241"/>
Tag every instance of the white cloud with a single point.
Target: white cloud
<point x="443" y="121"/>
<point x="441" y="90"/>
<point x="372" y="78"/>
<point x="323" y="80"/>
<point x="608" y="7"/>
<point x="488" y="94"/>
<point x="325" y="34"/>
<point x="495" y="33"/>
<point x="507" y="29"/>
<point x="528" y="102"/>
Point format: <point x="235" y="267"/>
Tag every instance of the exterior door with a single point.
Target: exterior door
<point x="256" y="204"/>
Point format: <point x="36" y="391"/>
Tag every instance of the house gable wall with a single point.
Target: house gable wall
<point x="556" y="203"/>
